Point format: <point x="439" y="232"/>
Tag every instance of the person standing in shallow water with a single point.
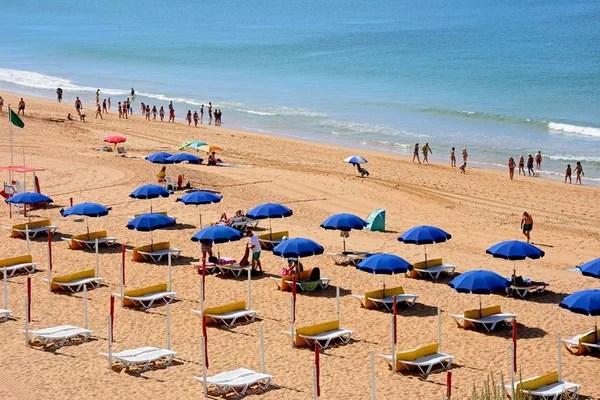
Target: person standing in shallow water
<point x="426" y="150"/>
<point x="538" y="160"/>
<point x="416" y="154"/>
<point x="527" y="225"/>
<point x="465" y="155"/>
<point x="521" y="164"/>
<point x="530" y="165"/>
<point x="452" y="158"/>
<point x="578" y="172"/>
<point x="568" y="173"/>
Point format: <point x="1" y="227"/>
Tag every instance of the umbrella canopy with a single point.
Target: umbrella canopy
<point x="86" y="209"/>
<point x="181" y="157"/>
<point x="160" y="158"/>
<point x="586" y="302"/>
<point x="515" y="250"/>
<point x="344" y="222"/>
<point x="151" y="191"/>
<point x="387" y="264"/>
<point x="355" y="160"/>
<point x="217" y="234"/>
<point x="424" y="234"/>
<point x="479" y="282"/>
<point x="297" y="248"/>
<point x="591" y="268"/>
<point x="199" y="197"/>
<point x="150" y="222"/>
<point x="269" y="210"/>
<point x="210" y="148"/>
<point x="115" y="139"/>
<point x="28" y="198"/>
<point x="194" y="145"/>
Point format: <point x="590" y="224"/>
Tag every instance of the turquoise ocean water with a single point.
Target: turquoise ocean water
<point x="503" y="78"/>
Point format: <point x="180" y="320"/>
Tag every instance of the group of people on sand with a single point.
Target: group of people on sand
<point x="20" y="107"/>
<point x="530" y="161"/>
<point x="426" y="150"/>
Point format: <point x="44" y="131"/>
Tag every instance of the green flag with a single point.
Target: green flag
<point x="14" y="119"/>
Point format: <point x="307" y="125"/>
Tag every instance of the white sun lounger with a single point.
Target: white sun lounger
<point x="424" y="364"/>
<point x="241" y="378"/>
<point x="157" y="255"/>
<point x="388" y="302"/>
<point x="59" y="335"/>
<point x="243" y="223"/>
<point x="348" y="258"/>
<point x="522" y="291"/>
<point x="11" y="270"/>
<point x="78" y="284"/>
<point x="435" y="272"/>
<point x="554" y="391"/>
<point x="4" y="314"/>
<point x="324" y="339"/>
<point x="143" y="356"/>
<point x="235" y="269"/>
<point x="230" y="318"/>
<point x="34" y="231"/>
<point x="489" y="322"/>
<point x="323" y="284"/>
<point x="91" y="244"/>
<point x="149" y="299"/>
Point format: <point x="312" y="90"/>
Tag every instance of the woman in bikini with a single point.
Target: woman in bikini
<point x="521" y="164"/>
<point x="452" y="158"/>
<point x="511" y="168"/>
<point x="578" y="172"/>
<point x="568" y="173"/>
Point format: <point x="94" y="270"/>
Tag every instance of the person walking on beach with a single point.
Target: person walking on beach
<point x="109" y="103"/>
<point x="172" y="115"/>
<point x="104" y="109"/>
<point x="154" y="112"/>
<point x="254" y="246"/>
<point x="530" y="165"/>
<point x="125" y="109"/>
<point x="98" y="111"/>
<point x="209" y="111"/>
<point x="578" y="172"/>
<point x="511" y="168"/>
<point x="143" y="108"/>
<point x="188" y="117"/>
<point x="416" y="154"/>
<point x="148" y="113"/>
<point x="132" y="93"/>
<point x="98" y="96"/>
<point x="120" y="110"/>
<point x="465" y="155"/>
<point x="128" y="104"/>
<point x="452" y="158"/>
<point x="201" y="113"/>
<point x="59" y="95"/>
<point x="78" y="106"/>
<point x="538" y="160"/>
<point x="426" y="150"/>
<point x="21" y="107"/>
<point x="568" y="173"/>
<point x="170" y="105"/>
<point x="196" y="119"/>
<point x="162" y="113"/>
<point x="1" y="104"/>
<point x="521" y="164"/>
<point x="527" y="225"/>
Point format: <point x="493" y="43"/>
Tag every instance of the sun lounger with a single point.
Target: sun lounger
<point x="243" y="223"/>
<point x="89" y="241"/>
<point x="235" y="380"/>
<point x="143" y="356"/>
<point x="228" y="314"/>
<point x="323" y="334"/>
<point x="431" y="268"/>
<point x="4" y="314"/>
<point x="14" y="265"/>
<point x="76" y="281"/>
<point x="546" y="387"/>
<point x="487" y="317"/>
<point x="526" y="287"/>
<point x="580" y="344"/>
<point x="234" y="269"/>
<point x="269" y="241"/>
<point x="303" y="282"/>
<point x="147" y="296"/>
<point x="349" y="257"/>
<point x="58" y="336"/>
<point x="424" y="358"/>
<point x="35" y="227"/>
<point x="375" y="299"/>
<point x="155" y="252"/>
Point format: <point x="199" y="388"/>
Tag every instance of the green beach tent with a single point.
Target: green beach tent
<point x="376" y="221"/>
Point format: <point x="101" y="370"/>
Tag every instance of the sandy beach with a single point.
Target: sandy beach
<point x="479" y="209"/>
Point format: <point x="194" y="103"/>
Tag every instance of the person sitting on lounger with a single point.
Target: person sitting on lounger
<point x="517" y="280"/>
<point x="213" y="160"/>
<point x="224" y="220"/>
<point x="161" y="174"/>
<point x="294" y="267"/>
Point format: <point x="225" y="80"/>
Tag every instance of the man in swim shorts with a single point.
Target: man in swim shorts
<point x="21" y="107"/>
<point x="527" y="225"/>
<point x="254" y="246"/>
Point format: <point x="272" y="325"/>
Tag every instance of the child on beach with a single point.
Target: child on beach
<point x="527" y="225"/>
<point x="463" y="168"/>
<point x="452" y="158"/>
<point x="568" y="173"/>
<point x="578" y="172"/>
<point x="521" y="164"/>
<point x="511" y="168"/>
<point x="426" y="149"/>
<point x="416" y="154"/>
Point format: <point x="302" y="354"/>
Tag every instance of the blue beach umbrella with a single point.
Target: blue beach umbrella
<point x="479" y="282"/>
<point x="149" y="192"/>
<point x="586" y="302"/>
<point x="217" y="234"/>
<point x="355" y="160"/>
<point x="515" y="250"/>
<point x="160" y="158"/>
<point x="150" y="222"/>
<point x="198" y="198"/>
<point x="344" y="222"/>
<point x="424" y="235"/>
<point x="268" y="211"/>
<point x="591" y="268"/>
<point x="28" y="198"/>
<point x="184" y="157"/>
<point x="384" y="264"/>
<point x="93" y="210"/>
<point x="298" y="248"/>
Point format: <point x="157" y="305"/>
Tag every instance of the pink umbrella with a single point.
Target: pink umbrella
<point x="115" y="139"/>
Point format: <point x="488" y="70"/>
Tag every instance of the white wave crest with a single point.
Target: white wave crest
<point x="580" y="130"/>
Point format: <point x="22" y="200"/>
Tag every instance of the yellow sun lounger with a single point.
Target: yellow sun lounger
<point x="89" y="240"/>
<point x="75" y="281"/>
<point x="35" y="227"/>
<point x="545" y="386"/>
<point x="385" y="298"/>
<point x="147" y="296"/>
<point x="268" y="241"/>
<point x="581" y="344"/>
<point x="154" y="252"/>
<point x="302" y="281"/>
<point x="432" y="268"/>
<point x="424" y="358"/>
<point x="487" y="317"/>
<point x="13" y="265"/>
<point x="228" y="314"/>
<point x="323" y="334"/>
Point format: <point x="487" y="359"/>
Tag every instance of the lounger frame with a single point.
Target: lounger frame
<point x="241" y="378"/>
<point x="4" y="315"/>
<point x="424" y="364"/>
<point x="58" y="336"/>
<point x="146" y="301"/>
<point x="143" y="356"/>
<point x="324" y="339"/>
<point x="435" y="272"/>
<point x="489" y="322"/>
<point x="11" y="270"/>
<point x="387" y="303"/>
<point x="230" y="318"/>
<point x="33" y="232"/>
<point x="158" y="255"/>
